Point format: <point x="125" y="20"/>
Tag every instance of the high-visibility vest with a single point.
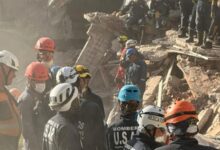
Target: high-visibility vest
<point x="9" y="116"/>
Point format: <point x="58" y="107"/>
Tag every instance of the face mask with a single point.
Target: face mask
<point x="48" y="63"/>
<point x="40" y="87"/>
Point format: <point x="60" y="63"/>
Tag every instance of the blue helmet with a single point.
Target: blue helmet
<point x="128" y="93"/>
<point x="131" y="51"/>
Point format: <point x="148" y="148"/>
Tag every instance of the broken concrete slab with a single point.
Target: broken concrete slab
<point x="151" y="90"/>
<point x="204" y="116"/>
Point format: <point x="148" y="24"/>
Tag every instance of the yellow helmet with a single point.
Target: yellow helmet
<point x="122" y="38"/>
<point x="83" y="71"/>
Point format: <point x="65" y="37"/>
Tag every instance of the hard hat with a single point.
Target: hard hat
<point x="130" y="51"/>
<point x="15" y="92"/>
<point x="9" y="59"/>
<point x="37" y="71"/>
<point x="122" y="38"/>
<point x="151" y="115"/>
<point x="128" y="93"/>
<point x="62" y="96"/>
<point x="130" y="43"/>
<point x="67" y="75"/>
<point x="45" y="44"/>
<point x="83" y="71"/>
<point x="180" y="111"/>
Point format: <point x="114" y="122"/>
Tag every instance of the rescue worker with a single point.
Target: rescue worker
<point x="45" y="47"/>
<point x="136" y="69"/>
<point x="192" y="23"/>
<point x="136" y="10"/>
<point x="86" y="92"/>
<point x="92" y="113"/>
<point x="120" y="74"/>
<point x="215" y="24"/>
<point x="160" y="10"/>
<point x="60" y="132"/>
<point x="185" y="11"/>
<point x="150" y="120"/>
<point x="120" y="132"/>
<point x="10" y="128"/>
<point x="202" y="20"/>
<point x="181" y="122"/>
<point x="33" y="106"/>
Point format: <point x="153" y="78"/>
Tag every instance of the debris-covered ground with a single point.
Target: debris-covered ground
<point x="176" y="71"/>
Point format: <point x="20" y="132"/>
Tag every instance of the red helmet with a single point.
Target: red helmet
<point x="180" y="111"/>
<point x="37" y="71"/>
<point x="45" y="44"/>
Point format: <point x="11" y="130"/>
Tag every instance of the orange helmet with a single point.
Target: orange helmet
<point x="45" y="44"/>
<point x="15" y="92"/>
<point x="37" y="71"/>
<point x="180" y="111"/>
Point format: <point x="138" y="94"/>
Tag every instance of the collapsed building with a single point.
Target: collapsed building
<point x="176" y="70"/>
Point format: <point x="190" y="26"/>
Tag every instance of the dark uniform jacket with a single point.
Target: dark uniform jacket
<point x="121" y="132"/>
<point x="61" y="133"/>
<point x="141" y="141"/>
<point x="96" y="99"/>
<point x="136" y="73"/>
<point x="136" y="10"/>
<point x="35" y="113"/>
<point x="185" y="144"/>
<point x="91" y="125"/>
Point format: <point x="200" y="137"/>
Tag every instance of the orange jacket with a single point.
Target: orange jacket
<point x="9" y="115"/>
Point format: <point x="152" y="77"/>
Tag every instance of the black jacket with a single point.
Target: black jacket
<point x="96" y="99"/>
<point x="185" y="144"/>
<point x="136" y="73"/>
<point x="141" y="141"/>
<point x="61" y="133"/>
<point x="119" y="133"/>
<point x="91" y="125"/>
<point x="135" y="9"/>
<point x="35" y="113"/>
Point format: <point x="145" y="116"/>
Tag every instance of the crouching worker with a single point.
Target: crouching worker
<point x="151" y="128"/>
<point x="60" y="132"/>
<point x="181" y="122"/>
<point x="120" y="132"/>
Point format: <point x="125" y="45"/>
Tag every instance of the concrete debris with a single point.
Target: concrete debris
<point x="204" y="116"/>
<point x="195" y="75"/>
<point x="151" y="90"/>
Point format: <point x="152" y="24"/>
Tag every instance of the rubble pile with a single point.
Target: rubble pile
<point x="176" y="70"/>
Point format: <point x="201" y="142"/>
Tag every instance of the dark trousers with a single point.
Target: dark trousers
<point x="8" y="142"/>
<point x="192" y="23"/>
<point x="203" y="16"/>
<point x="215" y="25"/>
<point x="185" y="11"/>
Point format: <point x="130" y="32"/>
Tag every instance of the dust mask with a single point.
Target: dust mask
<point x="48" y="63"/>
<point x="40" y="87"/>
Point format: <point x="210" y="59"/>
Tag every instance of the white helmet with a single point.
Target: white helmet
<point x="66" y="75"/>
<point x="62" y="96"/>
<point x="130" y="43"/>
<point x="151" y="115"/>
<point x="9" y="59"/>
